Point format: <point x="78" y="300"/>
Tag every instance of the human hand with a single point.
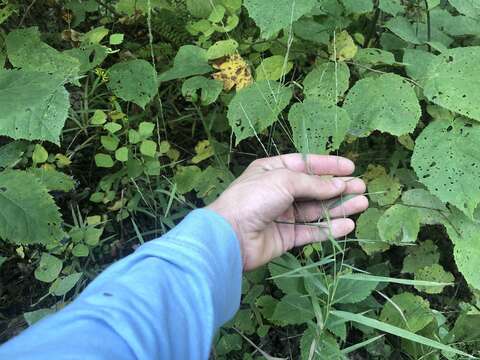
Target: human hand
<point x="268" y="204"/>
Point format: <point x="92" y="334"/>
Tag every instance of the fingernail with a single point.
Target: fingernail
<point x="339" y="184"/>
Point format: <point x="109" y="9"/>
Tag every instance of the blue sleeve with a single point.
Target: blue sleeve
<point x="165" y="301"/>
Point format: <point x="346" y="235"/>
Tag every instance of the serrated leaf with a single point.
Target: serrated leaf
<point x="25" y="50"/>
<point x="416" y="311"/>
<point x="384" y="190"/>
<point x="436" y="273"/>
<point x="256" y="107"/>
<point x="293" y="309"/>
<point x="420" y="256"/>
<point x="284" y="264"/>
<point x="453" y="81"/>
<point x="366" y="231"/>
<point x="445" y="160"/>
<point x="27" y="217"/>
<point x="35" y="105"/>
<point x="399" y="224"/>
<point x="271" y="17"/>
<point x="190" y="60"/>
<point x="53" y="180"/>
<point x="210" y="89"/>
<point x="387" y="103"/>
<point x="327" y="82"/>
<point x="61" y="286"/>
<point x="273" y="68"/>
<point x="318" y="127"/>
<point x="49" y="268"/>
<point x="134" y="80"/>
<point x="350" y="290"/>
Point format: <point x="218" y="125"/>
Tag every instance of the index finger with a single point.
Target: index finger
<point x="309" y="164"/>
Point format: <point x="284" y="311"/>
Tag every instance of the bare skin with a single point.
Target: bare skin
<point x="268" y="204"/>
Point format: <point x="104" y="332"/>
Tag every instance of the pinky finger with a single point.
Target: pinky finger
<point x="337" y="228"/>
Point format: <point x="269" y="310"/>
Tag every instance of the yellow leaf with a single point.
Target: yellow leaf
<point x="204" y="150"/>
<point x="373" y="172"/>
<point x="343" y="48"/>
<point x="234" y="72"/>
<point x="62" y="160"/>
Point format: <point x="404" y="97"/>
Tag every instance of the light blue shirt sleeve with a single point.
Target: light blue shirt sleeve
<point x="165" y="301"/>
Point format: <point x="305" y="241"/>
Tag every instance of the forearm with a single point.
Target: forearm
<point x="164" y="301"/>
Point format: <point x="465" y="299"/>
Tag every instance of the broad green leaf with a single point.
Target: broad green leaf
<point x="99" y="118"/>
<point x="116" y="39"/>
<point x="145" y="129"/>
<point x="464" y="234"/>
<point x="410" y="312"/>
<point x="328" y="82"/>
<point x="455" y="25"/>
<point x="222" y="48"/>
<point x="95" y="36"/>
<point x="35" y="105"/>
<point x="351" y="290"/>
<point x="394" y="330"/>
<point x="392" y="7"/>
<point x="32" y="317"/>
<point x="469" y="8"/>
<point x="387" y="103"/>
<point x="384" y="190"/>
<point x="25" y="50"/>
<point x="110" y="143"/>
<point x="228" y="342"/>
<point x="293" y="309"/>
<point x="446" y="162"/>
<point x="134" y="80"/>
<point x="92" y="236"/>
<point x="273" y="16"/>
<point x="121" y="154"/>
<point x="314" y="31"/>
<point x="49" y="268"/>
<point x="39" y="155"/>
<point x="420" y="256"/>
<point x="130" y="7"/>
<point x="209" y="89"/>
<point x="63" y="285"/>
<point x="53" y="180"/>
<point x="266" y="305"/>
<point x="402" y="27"/>
<point x="190" y="60"/>
<point x="399" y="224"/>
<point x="453" y="81"/>
<point x="273" y="68"/>
<point x="282" y="265"/>
<point x="467" y="328"/>
<point x="89" y="56"/>
<point x="104" y="161"/>
<point x="256" y="107"/>
<point x="372" y="56"/>
<point x="11" y="153"/>
<point x="432" y="210"/>
<point x="367" y="234"/>
<point x="342" y="47"/>
<point x="148" y="148"/>
<point x="80" y="250"/>
<point x="436" y="273"/>
<point x="212" y="183"/>
<point x="312" y="344"/>
<point x="186" y="178"/>
<point x="200" y="8"/>
<point x="358" y="6"/>
<point x="318" y="127"/>
<point x="27" y="217"/>
<point x="417" y="63"/>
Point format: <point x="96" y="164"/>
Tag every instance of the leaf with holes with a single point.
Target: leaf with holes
<point x="209" y="89"/>
<point x="399" y="224"/>
<point x="273" y="16"/>
<point x="35" y="105"/>
<point x="53" y="180"/>
<point x="387" y="103"/>
<point x="384" y="190"/>
<point x="469" y="8"/>
<point x="256" y="107"/>
<point x="134" y="81"/>
<point x="420" y="256"/>
<point x="27" y="217"/>
<point x="453" y="81"/>
<point x="49" y="268"/>
<point x="327" y="82"/>
<point x="435" y="273"/>
<point x="372" y="56"/>
<point x="318" y="127"/>
<point x="446" y="161"/>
